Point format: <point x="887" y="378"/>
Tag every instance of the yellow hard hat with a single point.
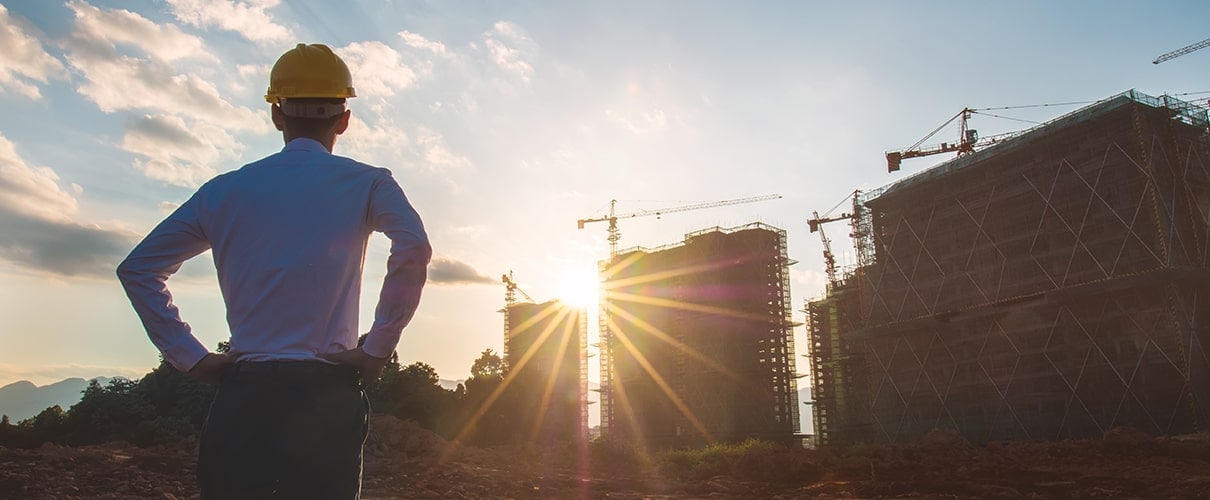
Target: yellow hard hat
<point x="309" y="71"/>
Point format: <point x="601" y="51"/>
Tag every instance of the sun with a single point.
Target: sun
<point x="578" y="288"/>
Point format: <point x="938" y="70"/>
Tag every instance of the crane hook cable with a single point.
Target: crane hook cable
<point x="833" y="209"/>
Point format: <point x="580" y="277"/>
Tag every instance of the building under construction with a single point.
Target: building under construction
<point x="696" y="341"/>
<point x="544" y="354"/>
<point x="1054" y="285"/>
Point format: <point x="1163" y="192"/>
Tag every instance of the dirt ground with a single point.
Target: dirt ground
<point x="404" y="461"/>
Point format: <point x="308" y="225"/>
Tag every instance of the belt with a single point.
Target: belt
<point x="295" y="369"/>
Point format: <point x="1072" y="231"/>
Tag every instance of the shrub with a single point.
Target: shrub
<point x="713" y="460"/>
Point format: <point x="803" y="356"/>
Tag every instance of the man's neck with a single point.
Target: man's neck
<point x="327" y="142"/>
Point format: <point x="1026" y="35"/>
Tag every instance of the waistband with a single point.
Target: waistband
<point x="317" y="370"/>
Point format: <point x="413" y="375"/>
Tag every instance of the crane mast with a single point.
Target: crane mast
<point x="511" y="290"/>
<point x="615" y="234"/>
<point x="829" y="259"/>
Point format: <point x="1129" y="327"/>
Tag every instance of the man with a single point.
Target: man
<point x="288" y="235"/>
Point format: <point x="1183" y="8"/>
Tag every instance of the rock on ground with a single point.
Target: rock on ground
<point x="406" y="461"/>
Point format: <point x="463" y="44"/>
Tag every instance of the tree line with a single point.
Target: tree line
<point x="166" y="406"/>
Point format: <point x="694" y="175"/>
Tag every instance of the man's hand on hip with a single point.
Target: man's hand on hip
<point x="369" y="366"/>
<point x="210" y="368"/>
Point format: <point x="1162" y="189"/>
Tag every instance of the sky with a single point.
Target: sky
<point x="505" y="122"/>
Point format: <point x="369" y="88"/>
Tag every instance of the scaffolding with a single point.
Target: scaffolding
<point x="697" y="340"/>
<point x="605" y="392"/>
<point x="1052" y="286"/>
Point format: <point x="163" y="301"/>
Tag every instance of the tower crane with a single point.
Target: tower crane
<point x="612" y="218"/>
<point x="511" y="290"/>
<point x="829" y="259"/>
<point x="510" y="297"/>
<point x="1182" y="51"/>
<point x="968" y="140"/>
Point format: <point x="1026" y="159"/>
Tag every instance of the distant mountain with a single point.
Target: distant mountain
<point x="22" y="400"/>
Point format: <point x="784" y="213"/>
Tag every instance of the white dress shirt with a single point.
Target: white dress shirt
<point x="289" y="235"/>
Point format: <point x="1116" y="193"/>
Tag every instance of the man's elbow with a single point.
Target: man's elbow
<point x="123" y="271"/>
<point x="417" y="250"/>
<point x="128" y="272"/>
<point x="425" y="252"/>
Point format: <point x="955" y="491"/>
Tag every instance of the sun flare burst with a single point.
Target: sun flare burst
<point x="578" y="288"/>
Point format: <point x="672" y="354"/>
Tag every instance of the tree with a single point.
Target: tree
<point x="33" y="431"/>
<point x="487" y="365"/>
<point x="109" y="413"/>
<point x="49" y="419"/>
<point x="412" y="393"/>
<point x="174" y="394"/>
<point x="487" y="414"/>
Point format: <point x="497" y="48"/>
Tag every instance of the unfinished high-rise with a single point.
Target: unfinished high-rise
<point x="544" y="354"/>
<point x="696" y="340"/>
<point x="1052" y="286"/>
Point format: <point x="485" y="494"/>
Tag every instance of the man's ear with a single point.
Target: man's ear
<point x="279" y="119"/>
<point x="343" y="123"/>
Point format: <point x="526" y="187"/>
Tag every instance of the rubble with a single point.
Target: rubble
<point x="406" y="461"/>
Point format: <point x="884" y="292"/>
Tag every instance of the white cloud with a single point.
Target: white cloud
<point x="378" y="70"/>
<point x="40" y="230"/>
<point x="164" y="42"/>
<point x="380" y="144"/>
<point x="248" y="18"/>
<point x="23" y="59"/>
<point x="177" y="152"/>
<point x="250" y="77"/>
<point x="509" y="58"/>
<point x="32" y="191"/>
<point x="449" y="271"/>
<point x="640" y="123"/>
<point x="510" y="30"/>
<point x="420" y="42"/>
<point x="389" y="145"/>
<point x="436" y="155"/>
<point x="250" y="71"/>
<point x="116" y="82"/>
<point x="469" y="102"/>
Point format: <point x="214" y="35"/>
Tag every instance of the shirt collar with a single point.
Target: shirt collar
<point x="305" y="144"/>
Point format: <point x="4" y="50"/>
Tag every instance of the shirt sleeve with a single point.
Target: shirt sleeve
<point x="391" y="214"/>
<point x="144" y="275"/>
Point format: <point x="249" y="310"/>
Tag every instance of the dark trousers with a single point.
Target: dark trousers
<point x="284" y="430"/>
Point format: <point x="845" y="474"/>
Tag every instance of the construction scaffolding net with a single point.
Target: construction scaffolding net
<point x="1052" y="286"/>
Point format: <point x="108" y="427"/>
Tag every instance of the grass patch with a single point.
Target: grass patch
<point x="713" y="460"/>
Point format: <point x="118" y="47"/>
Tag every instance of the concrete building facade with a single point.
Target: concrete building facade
<point x="545" y="358"/>
<point x="696" y="340"/>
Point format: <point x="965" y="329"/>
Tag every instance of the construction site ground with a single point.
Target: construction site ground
<point x="405" y="461"/>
